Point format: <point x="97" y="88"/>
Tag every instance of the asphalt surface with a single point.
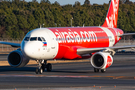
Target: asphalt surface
<point x="73" y="76"/>
<point x="3" y="57"/>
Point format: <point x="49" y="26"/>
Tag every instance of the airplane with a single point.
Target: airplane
<point x="92" y="42"/>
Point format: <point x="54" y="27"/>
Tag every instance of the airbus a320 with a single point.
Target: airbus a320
<point x="96" y="43"/>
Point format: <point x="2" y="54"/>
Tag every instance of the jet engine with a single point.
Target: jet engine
<point x="101" y="60"/>
<point x="17" y="59"/>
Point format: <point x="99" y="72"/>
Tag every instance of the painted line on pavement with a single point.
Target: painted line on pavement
<point x="68" y="76"/>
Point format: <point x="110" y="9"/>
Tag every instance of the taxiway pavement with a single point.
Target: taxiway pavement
<point x="121" y="75"/>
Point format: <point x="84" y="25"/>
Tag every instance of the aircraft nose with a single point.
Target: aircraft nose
<point x="28" y="50"/>
<point x="32" y="50"/>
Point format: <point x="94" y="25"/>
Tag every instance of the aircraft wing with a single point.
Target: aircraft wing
<point x="126" y="34"/>
<point x="82" y="51"/>
<point x="12" y="44"/>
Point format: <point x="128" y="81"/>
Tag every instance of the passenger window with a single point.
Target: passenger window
<point x="39" y="39"/>
<point x="33" y="39"/>
<point x="26" y="38"/>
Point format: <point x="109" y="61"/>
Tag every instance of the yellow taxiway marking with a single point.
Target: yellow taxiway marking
<point x="5" y="63"/>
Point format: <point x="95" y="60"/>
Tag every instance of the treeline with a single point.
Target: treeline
<point x="19" y="17"/>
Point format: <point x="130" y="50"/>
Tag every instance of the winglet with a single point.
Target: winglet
<point x="112" y="15"/>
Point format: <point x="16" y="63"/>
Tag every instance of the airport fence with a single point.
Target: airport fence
<point x="8" y="48"/>
<point x="125" y="42"/>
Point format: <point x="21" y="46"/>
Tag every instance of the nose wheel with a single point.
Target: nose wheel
<point x="42" y="66"/>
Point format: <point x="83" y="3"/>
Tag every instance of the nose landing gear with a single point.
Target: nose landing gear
<point x="42" y="65"/>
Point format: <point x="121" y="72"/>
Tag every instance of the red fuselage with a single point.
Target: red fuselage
<point x="71" y="38"/>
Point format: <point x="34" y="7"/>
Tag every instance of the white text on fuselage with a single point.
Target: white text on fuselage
<point x="111" y="19"/>
<point x="73" y="36"/>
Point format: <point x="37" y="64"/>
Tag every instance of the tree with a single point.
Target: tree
<point x="49" y="17"/>
<point x="46" y="1"/>
<point x="22" y="22"/>
<point x="18" y="17"/>
<point x="32" y="22"/>
<point x="39" y="16"/>
<point x="109" y="1"/>
<point x="42" y="1"/>
<point x="77" y="19"/>
<point x="128" y="2"/>
<point x="87" y="2"/>
<point x="122" y="1"/>
<point x="77" y="3"/>
<point x="56" y="3"/>
<point x="34" y="0"/>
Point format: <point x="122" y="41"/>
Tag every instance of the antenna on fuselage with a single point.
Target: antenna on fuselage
<point x="83" y="25"/>
<point x="40" y="26"/>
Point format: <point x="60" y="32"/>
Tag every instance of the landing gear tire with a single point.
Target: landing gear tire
<point x="103" y="70"/>
<point x="96" y="70"/>
<point x="43" y="67"/>
<point x="49" y="67"/>
<point x="37" y="71"/>
<point x="40" y="70"/>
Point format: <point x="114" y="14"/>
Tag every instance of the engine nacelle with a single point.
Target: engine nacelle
<point x="17" y="59"/>
<point x="101" y="60"/>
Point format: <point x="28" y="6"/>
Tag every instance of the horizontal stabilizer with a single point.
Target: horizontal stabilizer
<point x="126" y="34"/>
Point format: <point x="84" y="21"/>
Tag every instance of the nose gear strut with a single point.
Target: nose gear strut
<point x="42" y="65"/>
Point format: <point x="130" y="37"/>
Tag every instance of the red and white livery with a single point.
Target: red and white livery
<point x="96" y="43"/>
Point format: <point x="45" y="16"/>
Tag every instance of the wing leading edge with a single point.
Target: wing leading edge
<point x="82" y="51"/>
<point x="12" y="44"/>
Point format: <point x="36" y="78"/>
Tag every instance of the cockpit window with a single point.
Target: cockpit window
<point x="39" y="39"/>
<point x="33" y="39"/>
<point x="26" y="38"/>
<point x="42" y="39"/>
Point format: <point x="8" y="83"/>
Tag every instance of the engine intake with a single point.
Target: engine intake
<point x="17" y="59"/>
<point x="101" y="60"/>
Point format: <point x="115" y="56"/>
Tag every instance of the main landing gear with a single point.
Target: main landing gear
<point x="42" y="65"/>
<point x="97" y="70"/>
